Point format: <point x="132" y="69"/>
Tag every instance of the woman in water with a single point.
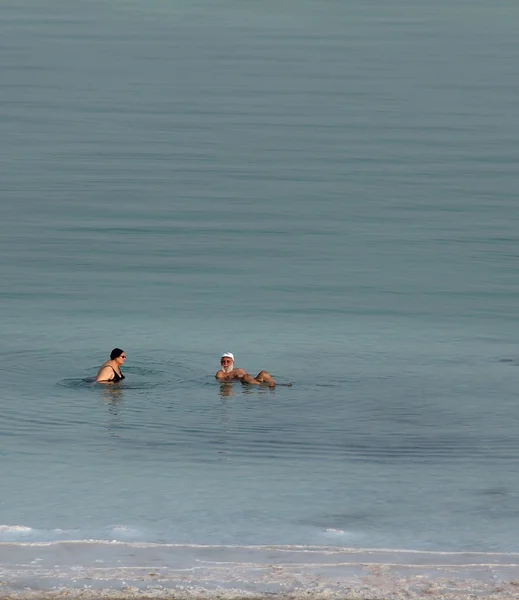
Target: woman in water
<point x="110" y="372"/>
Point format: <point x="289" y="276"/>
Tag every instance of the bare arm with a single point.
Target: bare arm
<point x="104" y="375"/>
<point x="234" y="374"/>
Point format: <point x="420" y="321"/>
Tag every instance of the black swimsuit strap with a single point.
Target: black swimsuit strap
<point x="113" y="370"/>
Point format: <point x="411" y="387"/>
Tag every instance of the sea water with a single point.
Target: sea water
<point x="328" y="190"/>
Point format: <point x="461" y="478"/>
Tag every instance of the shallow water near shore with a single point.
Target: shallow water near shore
<point x="329" y="192"/>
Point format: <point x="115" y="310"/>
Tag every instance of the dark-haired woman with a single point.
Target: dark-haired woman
<point x="110" y="372"/>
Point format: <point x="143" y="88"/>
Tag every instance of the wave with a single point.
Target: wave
<point x="32" y="535"/>
<point x="15" y="529"/>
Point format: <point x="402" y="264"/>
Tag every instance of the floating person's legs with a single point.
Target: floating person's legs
<point x="265" y="377"/>
<point x="261" y="377"/>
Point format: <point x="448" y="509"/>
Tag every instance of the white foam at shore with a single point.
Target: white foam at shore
<point x="92" y="569"/>
<point x="15" y="528"/>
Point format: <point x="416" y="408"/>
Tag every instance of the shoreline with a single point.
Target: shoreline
<point x="90" y="570"/>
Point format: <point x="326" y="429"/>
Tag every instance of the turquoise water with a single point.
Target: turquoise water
<point x="329" y="191"/>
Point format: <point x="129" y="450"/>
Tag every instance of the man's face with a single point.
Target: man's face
<point x="227" y="364"/>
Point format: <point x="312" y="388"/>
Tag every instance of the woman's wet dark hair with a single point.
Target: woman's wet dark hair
<point x="115" y="353"/>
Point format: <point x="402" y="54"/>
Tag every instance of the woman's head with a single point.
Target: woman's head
<point x="117" y="353"/>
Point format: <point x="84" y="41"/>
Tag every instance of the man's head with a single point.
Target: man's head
<point x="227" y="362"/>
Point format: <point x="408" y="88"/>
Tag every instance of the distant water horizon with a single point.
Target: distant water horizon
<point x="329" y="191"/>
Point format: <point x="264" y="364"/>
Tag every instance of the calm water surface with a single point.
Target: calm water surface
<point x="329" y="191"/>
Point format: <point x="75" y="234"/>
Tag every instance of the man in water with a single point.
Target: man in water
<point x="229" y="373"/>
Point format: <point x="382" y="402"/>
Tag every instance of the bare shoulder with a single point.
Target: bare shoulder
<point x="104" y="373"/>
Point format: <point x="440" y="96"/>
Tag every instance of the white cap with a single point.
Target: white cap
<point x="228" y="355"/>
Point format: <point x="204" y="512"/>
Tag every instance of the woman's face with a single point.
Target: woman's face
<point x="120" y="359"/>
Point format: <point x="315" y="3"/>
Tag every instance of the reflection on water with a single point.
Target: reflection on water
<point x="226" y="389"/>
<point x="113" y="395"/>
